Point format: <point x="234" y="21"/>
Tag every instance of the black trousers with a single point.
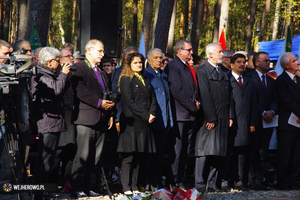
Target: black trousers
<point x="130" y="171"/>
<point x="257" y="153"/>
<point x="208" y="171"/>
<point x="180" y="143"/>
<point x="47" y="146"/>
<point x="89" y="143"/>
<point x="288" y="158"/>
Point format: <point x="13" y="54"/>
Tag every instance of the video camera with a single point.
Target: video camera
<point x="18" y="66"/>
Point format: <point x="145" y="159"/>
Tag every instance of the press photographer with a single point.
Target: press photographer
<point x="47" y="91"/>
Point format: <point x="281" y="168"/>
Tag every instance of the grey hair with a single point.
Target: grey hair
<point x="4" y="43"/>
<point x="226" y="52"/>
<point x="92" y="43"/>
<point x="48" y="53"/>
<point x="284" y="59"/>
<point x="153" y="49"/>
<point x="180" y="44"/>
<point x="210" y="47"/>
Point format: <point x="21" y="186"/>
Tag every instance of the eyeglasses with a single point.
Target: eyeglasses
<point x="266" y="60"/>
<point x="67" y="56"/>
<point x="56" y="61"/>
<point x="189" y="50"/>
<point x="99" y="50"/>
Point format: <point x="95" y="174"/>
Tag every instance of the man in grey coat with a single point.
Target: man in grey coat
<point x="211" y="139"/>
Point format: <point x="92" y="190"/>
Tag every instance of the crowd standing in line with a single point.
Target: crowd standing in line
<point x="219" y="110"/>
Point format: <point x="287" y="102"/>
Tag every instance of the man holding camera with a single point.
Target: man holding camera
<point x="91" y="116"/>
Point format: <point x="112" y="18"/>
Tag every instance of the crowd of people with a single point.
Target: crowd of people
<point x="222" y="110"/>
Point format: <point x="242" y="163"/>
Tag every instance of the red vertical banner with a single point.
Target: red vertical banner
<point x="222" y="39"/>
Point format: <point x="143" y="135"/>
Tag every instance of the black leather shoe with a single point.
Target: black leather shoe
<point x="254" y="186"/>
<point x="91" y="193"/>
<point x="79" y="194"/>
<point x="214" y="189"/>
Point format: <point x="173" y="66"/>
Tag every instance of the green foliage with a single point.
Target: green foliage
<point x="61" y="10"/>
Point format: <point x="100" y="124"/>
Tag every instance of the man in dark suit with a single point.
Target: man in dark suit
<point x="183" y="87"/>
<point x="244" y="104"/>
<point x="215" y="119"/>
<point x="267" y="106"/>
<point x="91" y="116"/>
<point x="288" y="136"/>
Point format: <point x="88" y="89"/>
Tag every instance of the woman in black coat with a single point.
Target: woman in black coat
<point x="139" y="111"/>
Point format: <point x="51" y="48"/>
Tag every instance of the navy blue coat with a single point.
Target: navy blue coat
<point x="162" y="93"/>
<point x="182" y="89"/>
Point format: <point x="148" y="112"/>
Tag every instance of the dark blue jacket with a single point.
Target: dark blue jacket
<point x="162" y="93"/>
<point x="182" y="90"/>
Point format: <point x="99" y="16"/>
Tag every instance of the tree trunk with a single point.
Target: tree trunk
<point x="197" y="20"/>
<point x="288" y="17"/>
<point x="264" y="20"/>
<point x="164" y="18"/>
<point x="250" y="25"/>
<point x="171" y="31"/>
<point x="77" y="28"/>
<point x="147" y="19"/>
<point x="217" y="20"/>
<point x="223" y="16"/>
<point x="155" y="21"/>
<point x="8" y="5"/>
<point x="40" y="13"/>
<point x="22" y="18"/>
<point x="134" y="24"/>
<point x="276" y="20"/>
<point x="61" y="28"/>
<point x="181" y="29"/>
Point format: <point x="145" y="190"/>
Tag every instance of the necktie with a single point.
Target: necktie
<point x="100" y="80"/>
<point x="194" y="76"/>
<point x="158" y="74"/>
<point x="240" y="82"/>
<point x="294" y="79"/>
<point x="217" y="69"/>
<point x="140" y="78"/>
<point x="263" y="81"/>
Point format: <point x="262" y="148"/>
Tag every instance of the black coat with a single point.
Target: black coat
<point x="288" y="93"/>
<point x="87" y="91"/>
<point x="182" y="89"/>
<point x="139" y="103"/>
<point x="245" y="107"/>
<point x="215" y="106"/>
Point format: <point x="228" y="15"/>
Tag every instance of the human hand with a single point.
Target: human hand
<point x="268" y="117"/>
<point x="197" y="106"/>
<point x="107" y="104"/>
<point x="151" y="119"/>
<point x="110" y="122"/>
<point x="252" y="129"/>
<point x="65" y="68"/>
<point x="210" y="125"/>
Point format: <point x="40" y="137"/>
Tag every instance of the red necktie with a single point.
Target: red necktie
<point x="264" y="82"/>
<point x="240" y="82"/>
<point x="194" y="76"/>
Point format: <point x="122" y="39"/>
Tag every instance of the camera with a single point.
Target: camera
<point x="110" y="96"/>
<point x="72" y="67"/>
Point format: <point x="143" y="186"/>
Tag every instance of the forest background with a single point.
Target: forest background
<point x="163" y="22"/>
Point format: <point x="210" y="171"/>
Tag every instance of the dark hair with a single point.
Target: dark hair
<point x="251" y="54"/>
<point x="105" y="60"/>
<point x="236" y="56"/>
<point x="196" y="58"/>
<point x="256" y="56"/>
<point x="169" y="55"/>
